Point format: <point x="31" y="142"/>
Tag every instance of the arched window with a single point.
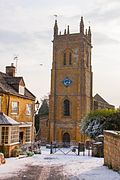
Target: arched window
<point x="66" y="106"/>
<point x="64" y="60"/>
<point x="70" y="58"/>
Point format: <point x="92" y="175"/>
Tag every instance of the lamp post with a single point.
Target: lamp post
<point x="37" y="104"/>
<point x="35" y="110"/>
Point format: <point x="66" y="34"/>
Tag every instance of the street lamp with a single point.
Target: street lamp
<point x="37" y="104"/>
<point x="36" y="107"/>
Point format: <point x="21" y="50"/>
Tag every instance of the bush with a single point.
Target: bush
<point x="29" y="153"/>
<point x="97" y="121"/>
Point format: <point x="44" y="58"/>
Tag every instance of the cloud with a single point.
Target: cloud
<point x="100" y="39"/>
<point x="11" y="37"/>
<point x="106" y="11"/>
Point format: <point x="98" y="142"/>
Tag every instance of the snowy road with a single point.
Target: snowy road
<point x="56" y="167"/>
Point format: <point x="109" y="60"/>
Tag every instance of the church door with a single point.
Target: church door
<point x="66" y="140"/>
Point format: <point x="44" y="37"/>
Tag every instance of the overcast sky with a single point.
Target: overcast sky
<point x="26" y="30"/>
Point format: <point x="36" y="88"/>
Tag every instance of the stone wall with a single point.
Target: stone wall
<point x="44" y="130"/>
<point x="112" y="149"/>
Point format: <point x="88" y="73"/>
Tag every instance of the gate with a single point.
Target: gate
<point x="79" y="149"/>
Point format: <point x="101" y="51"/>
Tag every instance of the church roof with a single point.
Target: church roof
<point x="6" y="120"/>
<point x="97" y="97"/>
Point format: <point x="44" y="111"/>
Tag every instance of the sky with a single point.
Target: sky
<point x="26" y="30"/>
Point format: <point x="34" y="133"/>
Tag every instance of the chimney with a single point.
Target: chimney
<point x="10" y="70"/>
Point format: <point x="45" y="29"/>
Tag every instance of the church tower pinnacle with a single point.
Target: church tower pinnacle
<point x="81" y="26"/>
<point x="89" y="34"/>
<point x="55" y="29"/>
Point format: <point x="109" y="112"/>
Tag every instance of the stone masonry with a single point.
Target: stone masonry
<point x="71" y="64"/>
<point x="112" y="149"/>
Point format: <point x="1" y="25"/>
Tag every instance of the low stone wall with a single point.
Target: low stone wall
<point x="2" y="159"/>
<point x="7" y="149"/>
<point x="112" y="150"/>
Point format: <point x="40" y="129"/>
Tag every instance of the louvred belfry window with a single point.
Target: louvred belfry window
<point x="70" y="58"/>
<point x="64" y="60"/>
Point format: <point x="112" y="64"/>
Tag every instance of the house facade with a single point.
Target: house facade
<point x="17" y="103"/>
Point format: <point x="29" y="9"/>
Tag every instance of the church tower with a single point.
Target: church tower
<point x="71" y="84"/>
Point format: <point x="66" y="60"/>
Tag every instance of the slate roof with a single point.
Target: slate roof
<point x="97" y="97"/>
<point x="5" y="120"/>
<point x="6" y="86"/>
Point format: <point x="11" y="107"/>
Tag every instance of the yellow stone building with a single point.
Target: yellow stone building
<point x="71" y="84"/>
<point x="16" y="111"/>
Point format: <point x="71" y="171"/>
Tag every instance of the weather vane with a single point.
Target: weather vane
<point x="55" y="16"/>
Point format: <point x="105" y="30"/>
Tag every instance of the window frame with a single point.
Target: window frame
<point x="13" y="111"/>
<point x="14" y="137"/>
<point x="5" y="135"/>
<point x="66" y="108"/>
<point x="28" y="113"/>
<point x="64" y="59"/>
<point x="70" y="58"/>
<point x="28" y="134"/>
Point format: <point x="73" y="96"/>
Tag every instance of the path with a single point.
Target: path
<point x="40" y="173"/>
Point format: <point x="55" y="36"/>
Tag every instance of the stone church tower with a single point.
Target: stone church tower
<point x="71" y="84"/>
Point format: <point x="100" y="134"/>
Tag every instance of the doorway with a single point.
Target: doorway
<point x="21" y="137"/>
<point x="66" y="140"/>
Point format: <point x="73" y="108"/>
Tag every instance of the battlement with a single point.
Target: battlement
<point x="82" y="34"/>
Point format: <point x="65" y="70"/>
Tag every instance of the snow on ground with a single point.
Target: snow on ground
<point x="74" y="167"/>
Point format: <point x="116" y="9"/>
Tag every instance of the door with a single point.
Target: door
<point x="66" y="140"/>
<point x="21" y="137"/>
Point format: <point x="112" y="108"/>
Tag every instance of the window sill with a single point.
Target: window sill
<point x="28" y="114"/>
<point x="14" y="113"/>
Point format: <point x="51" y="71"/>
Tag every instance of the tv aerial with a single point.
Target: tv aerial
<point x="16" y="61"/>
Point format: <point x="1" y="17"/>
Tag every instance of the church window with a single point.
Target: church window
<point x="70" y="58"/>
<point x="64" y="59"/>
<point x="66" y="107"/>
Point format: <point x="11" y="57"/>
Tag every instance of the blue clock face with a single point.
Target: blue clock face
<point x="67" y="82"/>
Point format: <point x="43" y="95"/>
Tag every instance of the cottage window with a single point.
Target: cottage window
<point x="0" y="103"/>
<point x="66" y="107"/>
<point x="28" y="109"/>
<point x="5" y="131"/>
<point x="14" y="107"/>
<point x="14" y="134"/>
<point x="21" y="90"/>
<point x="28" y="129"/>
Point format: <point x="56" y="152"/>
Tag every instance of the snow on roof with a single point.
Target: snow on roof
<point x="6" y="120"/>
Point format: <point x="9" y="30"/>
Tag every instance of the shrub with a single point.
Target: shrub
<point x="96" y="121"/>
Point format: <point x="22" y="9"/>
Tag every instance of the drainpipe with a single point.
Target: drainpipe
<point x="8" y="105"/>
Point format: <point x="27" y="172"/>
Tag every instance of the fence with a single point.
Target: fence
<point x="80" y="149"/>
